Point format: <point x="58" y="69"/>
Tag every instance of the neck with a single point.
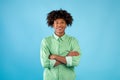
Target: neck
<point x="59" y="34"/>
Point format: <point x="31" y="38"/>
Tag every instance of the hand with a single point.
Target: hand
<point x="57" y="63"/>
<point x="73" y="53"/>
<point x="52" y="56"/>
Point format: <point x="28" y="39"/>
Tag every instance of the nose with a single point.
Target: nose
<point x="59" y="25"/>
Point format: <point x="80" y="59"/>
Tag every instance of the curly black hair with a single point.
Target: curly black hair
<point x="56" y="14"/>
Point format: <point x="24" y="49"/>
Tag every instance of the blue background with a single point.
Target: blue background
<point x="96" y="25"/>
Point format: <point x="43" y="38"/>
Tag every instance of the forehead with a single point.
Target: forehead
<point x="59" y="19"/>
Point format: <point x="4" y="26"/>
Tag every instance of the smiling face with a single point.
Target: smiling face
<point x="59" y="26"/>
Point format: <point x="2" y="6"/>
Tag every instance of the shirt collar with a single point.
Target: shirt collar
<point x="57" y="37"/>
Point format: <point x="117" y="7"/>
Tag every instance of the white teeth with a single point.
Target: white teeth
<point x="59" y="28"/>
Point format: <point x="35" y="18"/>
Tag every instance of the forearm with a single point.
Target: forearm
<point x="73" y="53"/>
<point x="58" y="58"/>
<point x="61" y="59"/>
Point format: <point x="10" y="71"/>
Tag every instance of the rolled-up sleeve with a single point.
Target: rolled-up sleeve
<point x="44" y="56"/>
<point x="69" y="60"/>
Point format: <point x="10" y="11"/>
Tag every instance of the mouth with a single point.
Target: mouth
<point x="59" y="28"/>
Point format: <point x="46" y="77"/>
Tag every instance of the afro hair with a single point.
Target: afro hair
<point x="59" y="14"/>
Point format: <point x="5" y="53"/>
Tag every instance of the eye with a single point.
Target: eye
<point x="62" y="22"/>
<point x="56" y="22"/>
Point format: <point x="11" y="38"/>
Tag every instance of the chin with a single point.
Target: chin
<point x="60" y="32"/>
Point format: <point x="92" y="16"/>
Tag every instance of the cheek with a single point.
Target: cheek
<point x="54" y="28"/>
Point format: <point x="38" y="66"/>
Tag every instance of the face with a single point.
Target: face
<point x="59" y="26"/>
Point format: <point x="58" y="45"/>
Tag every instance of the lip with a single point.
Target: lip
<point x="59" y="28"/>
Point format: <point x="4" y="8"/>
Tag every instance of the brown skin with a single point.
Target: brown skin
<point x="59" y="26"/>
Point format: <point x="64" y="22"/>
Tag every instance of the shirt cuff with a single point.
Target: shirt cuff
<point x="69" y="60"/>
<point x="52" y="63"/>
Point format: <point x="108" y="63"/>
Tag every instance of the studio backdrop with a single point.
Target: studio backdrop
<point x="96" y="25"/>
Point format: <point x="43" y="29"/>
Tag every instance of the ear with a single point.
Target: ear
<point x="66" y="26"/>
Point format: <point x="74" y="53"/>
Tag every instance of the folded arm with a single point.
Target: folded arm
<point x="61" y="59"/>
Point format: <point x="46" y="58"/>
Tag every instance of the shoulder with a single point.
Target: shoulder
<point x="71" y="37"/>
<point x="46" y="39"/>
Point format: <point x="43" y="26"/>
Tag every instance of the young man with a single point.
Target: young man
<point x="59" y="53"/>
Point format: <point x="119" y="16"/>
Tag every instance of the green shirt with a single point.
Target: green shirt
<point x="60" y="46"/>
